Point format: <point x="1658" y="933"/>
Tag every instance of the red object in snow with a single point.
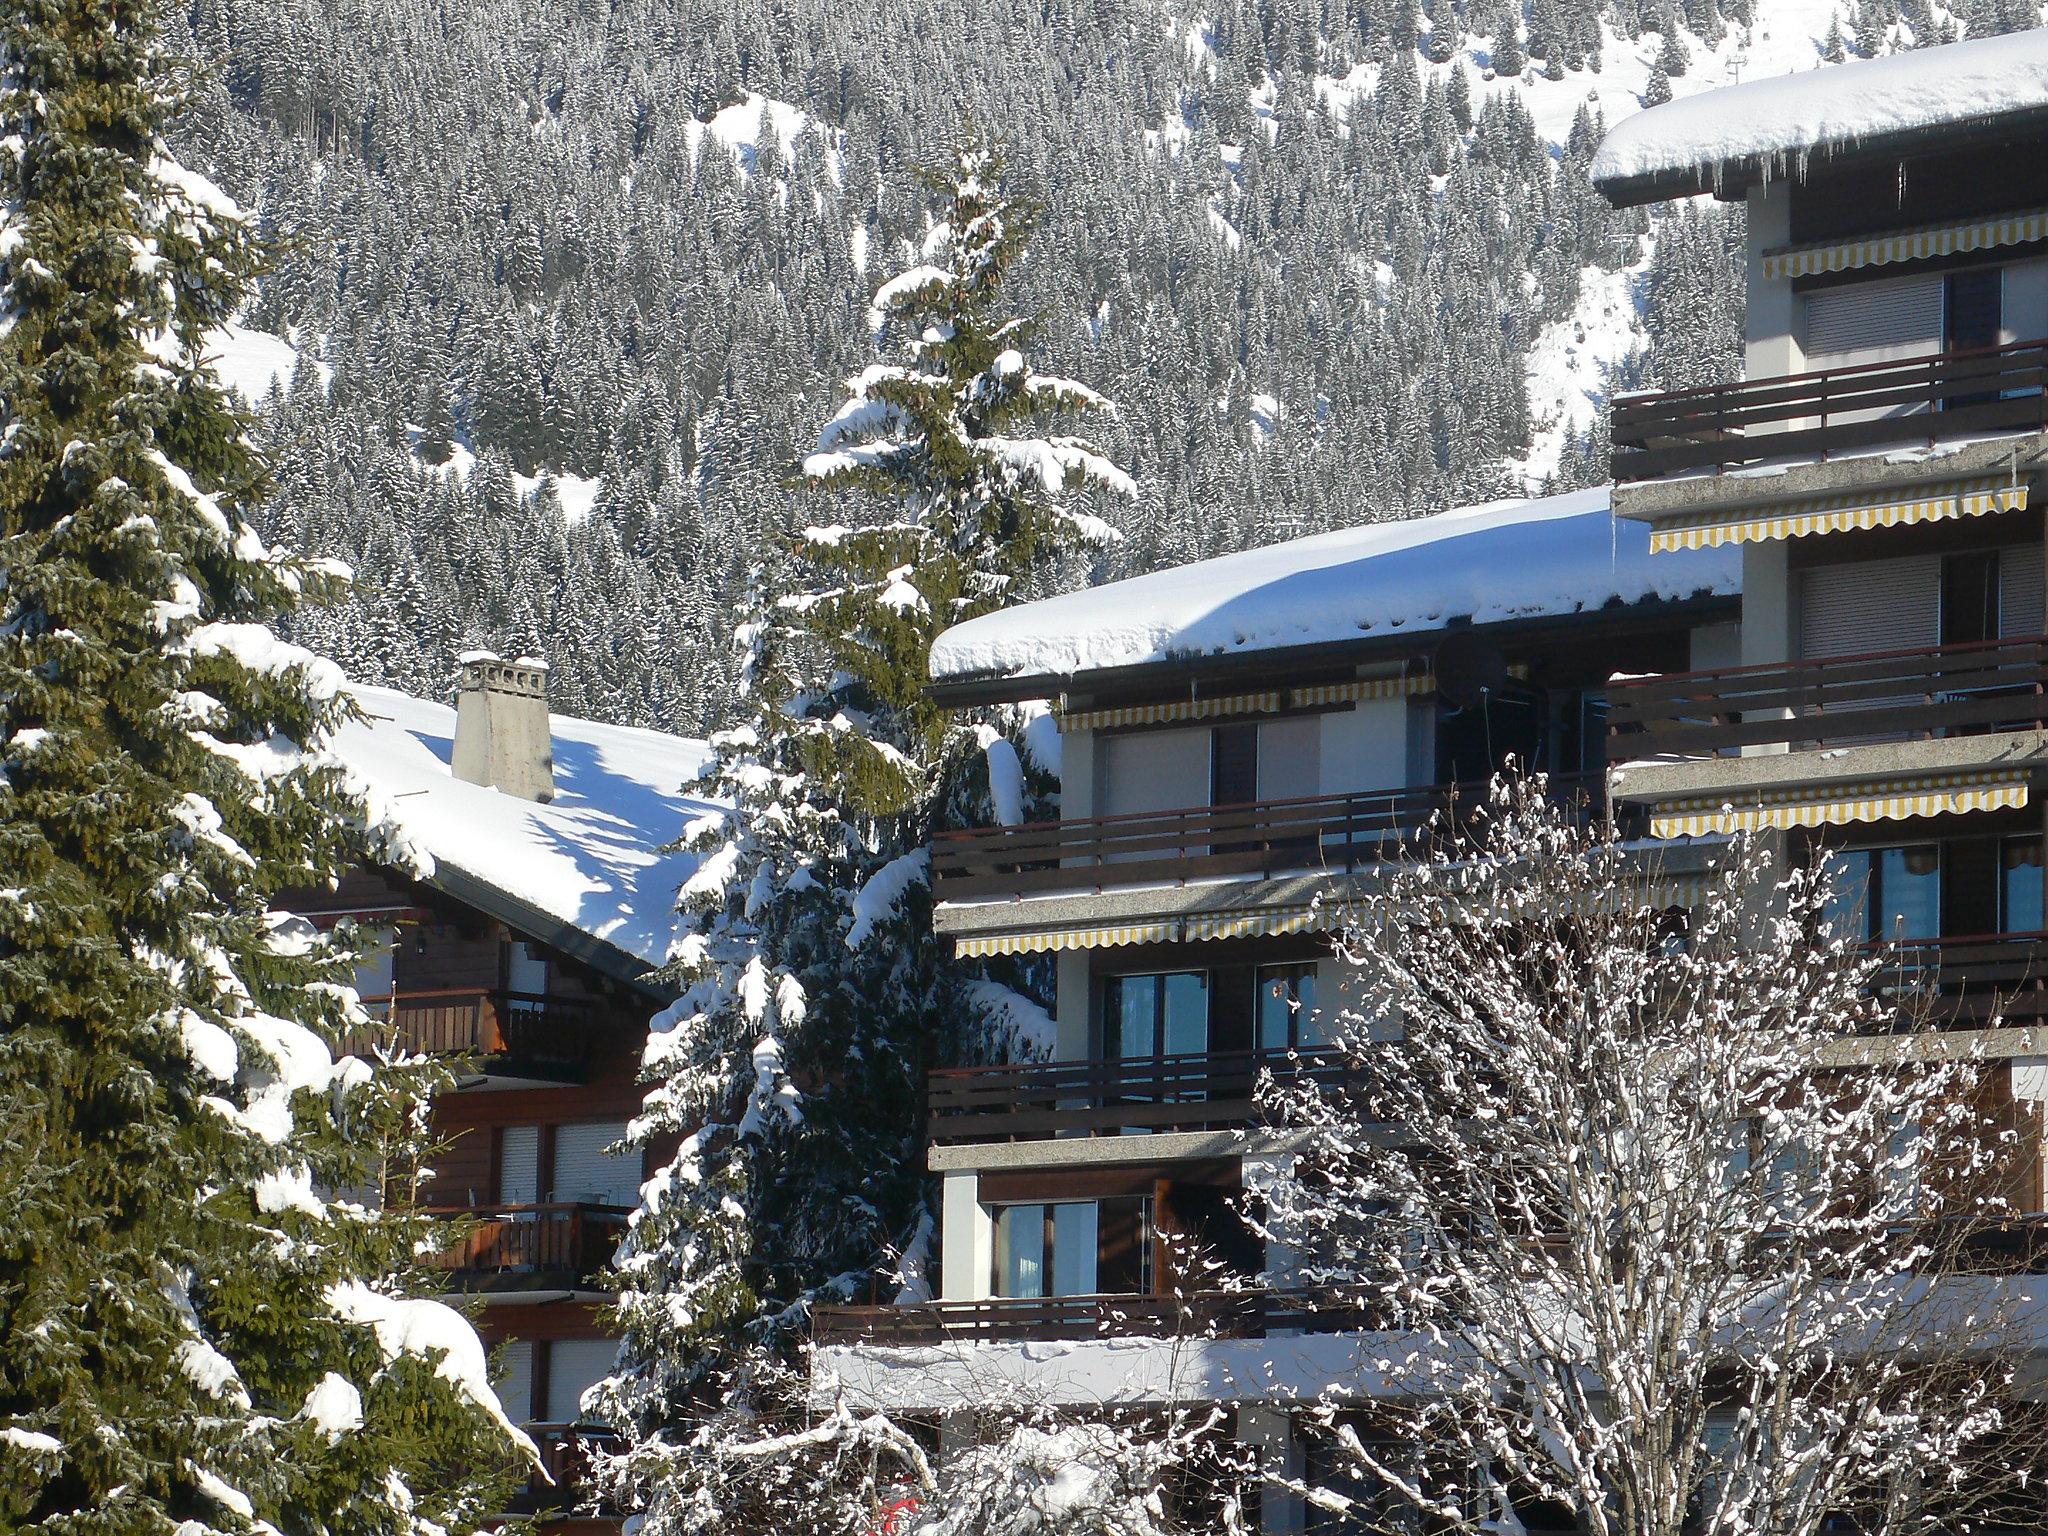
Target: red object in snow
<point x="894" y="1517"/>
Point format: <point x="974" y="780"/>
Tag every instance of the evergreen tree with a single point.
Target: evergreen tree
<point x="197" y="1333"/>
<point x="816" y="996"/>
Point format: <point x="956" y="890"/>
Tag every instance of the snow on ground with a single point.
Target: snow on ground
<point x="740" y="128"/>
<point x="591" y="859"/>
<point x="1505" y="560"/>
<point x="577" y="494"/>
<point x="246" y="361"/>
<point x="1861" y="100"/>
<point x="1571" y="362"/>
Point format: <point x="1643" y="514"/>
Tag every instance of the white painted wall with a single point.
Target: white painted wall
<point x="966" y="1239"/>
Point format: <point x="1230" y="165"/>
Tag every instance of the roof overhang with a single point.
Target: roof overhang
<point x="601" y="955"/>
<point x="1191" y="675"/>
<point x="1731" y="180"/>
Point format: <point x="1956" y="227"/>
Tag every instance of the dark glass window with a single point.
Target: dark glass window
<point x="1287" y="1003"/>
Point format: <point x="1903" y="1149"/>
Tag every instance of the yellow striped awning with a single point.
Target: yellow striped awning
<point x="1897" y="800"/>
<point x="1242" y="925"/>
<point x="1834" y="514"/>
<point x="1908" y="245"/>
<point x="1180" y="709"/>
<point x="1111" y="936"/>
<point x="1362" y="688"/>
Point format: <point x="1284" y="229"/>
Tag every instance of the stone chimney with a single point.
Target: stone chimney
<point x="501" y="725"/>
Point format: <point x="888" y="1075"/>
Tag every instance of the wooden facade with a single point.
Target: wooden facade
<point x="546" y="1051"/>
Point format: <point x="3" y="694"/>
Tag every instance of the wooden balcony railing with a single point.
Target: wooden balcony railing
<point x="1943" y="690"/>
<point x="567" y="1242"/>
<point x="1260" y="837"/>
<point x="1201" y="1091"/>
<point x="1966" y="982"/>
<point x="1917" y="399"/>
<point x="1251" y="1314"/>
<point x="517" y="1033"/>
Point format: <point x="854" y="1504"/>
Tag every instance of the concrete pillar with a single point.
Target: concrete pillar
<point x="967" y="1240"/>
<point x="1077" y="775"/>
<point x="1263" y="1170"/>
<point x="1771" y="347"/>
<point x="1072" y="1006"/>
<point x="503" y="737"/>
<point x="1269" y="1430"/>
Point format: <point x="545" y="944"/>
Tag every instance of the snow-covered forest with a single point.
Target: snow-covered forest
<point x="568" y="287"/>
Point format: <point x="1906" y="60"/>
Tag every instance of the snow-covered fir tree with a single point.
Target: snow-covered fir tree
<point x="1636" y="1188"/>
<point x="816" y="996"/>
<point x="196" y="1333"/>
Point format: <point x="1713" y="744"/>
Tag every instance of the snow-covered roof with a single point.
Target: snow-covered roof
<point x="588" y="865"/>
<point x="1763" y="126"/>
<point x="1505" y="560"/>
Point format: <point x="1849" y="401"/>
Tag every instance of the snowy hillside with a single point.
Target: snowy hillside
<point x="1334" y="265"/>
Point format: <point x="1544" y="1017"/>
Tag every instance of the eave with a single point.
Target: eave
<point x="1192" y="676"/>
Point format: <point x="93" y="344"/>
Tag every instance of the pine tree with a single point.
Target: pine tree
<point x="1672" y="57"/>
<point x="1658" y="90"/>
<point x="816" y="995"/>
<point x="196" y="1332"/>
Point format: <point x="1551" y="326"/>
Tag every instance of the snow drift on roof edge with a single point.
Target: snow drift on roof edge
<point x="1504" y="560"/>
<point x="1836" y="105"/>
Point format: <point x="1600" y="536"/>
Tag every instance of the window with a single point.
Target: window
<point x="2019" y="886"/>
<point x="526" y="968"/>
<point x="1887" y="893"/>
<point x="1073" y="1248"/>
<point x="375" y="950"/>
<point x="1969" y="597"/>
<point x="1161" y="1015"/>
<point x="1287" y="1002"/>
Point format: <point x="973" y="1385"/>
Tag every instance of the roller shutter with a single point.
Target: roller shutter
<point x="1874" y="322"/>
<point x="1870" y="605"/>
<point x="574" y="1365"/>
<point x="519" y="1164"/>
<point x="2019" y="590"/>
<point x="584" y="1171"/>
<point x="1152" y="771"/>
<point x="512" y="1377"/>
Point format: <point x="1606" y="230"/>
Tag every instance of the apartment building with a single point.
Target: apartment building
<point x="1239" y="740"/>
<point x="524" y="902"/>
<point x="1812" y="603"/>
<point x="1879" y="470"/>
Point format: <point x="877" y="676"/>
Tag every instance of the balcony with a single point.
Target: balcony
<point x="1880" y="696"/>
<point x="504" y="1034"/>
<point x="553" y="1246"/>
<point x="1198" y="1091"/>
<point x="1967" y="982"/>
<point x="1258" y="838"/>
<point x="1942" y="395"/>
<point x="1250" y="1314"/>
